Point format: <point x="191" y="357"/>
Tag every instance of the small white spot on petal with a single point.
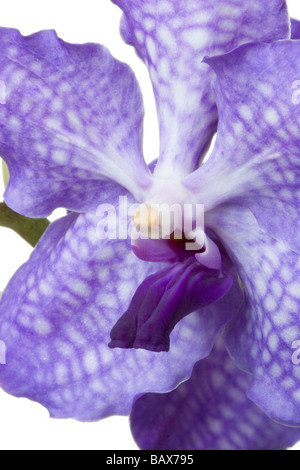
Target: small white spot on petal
<point x="90" y="361"/>
<point x="271" y="116"/>
<point x="246" y="113"/>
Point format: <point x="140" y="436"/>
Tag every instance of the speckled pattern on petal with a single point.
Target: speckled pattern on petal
<point x="261" y="339"/>
<point x="73" y="117"/>
<point x="208" y="412"/>
<point x="256" y="159"/>
<point x="172" y="37"/>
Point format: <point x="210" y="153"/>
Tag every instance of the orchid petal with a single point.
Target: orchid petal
<point x="261" y="338"/>
<point x="256" y="160"/>
<point x="56" y="316"/>
<point x="208" y="412"/>
<point x="71" y="122"/>
<point x="172" y="37"/>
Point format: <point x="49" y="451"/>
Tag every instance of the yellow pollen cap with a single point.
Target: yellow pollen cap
<point x="146" y="218"/>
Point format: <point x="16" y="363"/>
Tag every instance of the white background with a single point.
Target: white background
<point x="25" y="425"/>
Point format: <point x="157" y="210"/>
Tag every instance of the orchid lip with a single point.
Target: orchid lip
<point x="164" y="299"/>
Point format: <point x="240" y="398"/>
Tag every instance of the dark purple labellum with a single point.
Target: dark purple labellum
<point x="163" y="299"/>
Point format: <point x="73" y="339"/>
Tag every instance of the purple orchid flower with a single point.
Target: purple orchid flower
<point x="71" y="134"/>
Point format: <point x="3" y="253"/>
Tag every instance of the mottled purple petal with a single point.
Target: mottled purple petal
<point x="256" y="159"/>
<point x="56" y="316"/>
<point x="208" y="412"/>
<point x="72" y="120"/>
<point x="295" y="24"/>
<point x="164" y="299"/>
<point x="172" y="37"/>
<point x="262" y="338"/>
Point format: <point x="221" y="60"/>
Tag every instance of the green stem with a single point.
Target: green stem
<point x="30" y="230"/>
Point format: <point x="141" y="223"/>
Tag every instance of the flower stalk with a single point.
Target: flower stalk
<point x="30" y="230"/>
